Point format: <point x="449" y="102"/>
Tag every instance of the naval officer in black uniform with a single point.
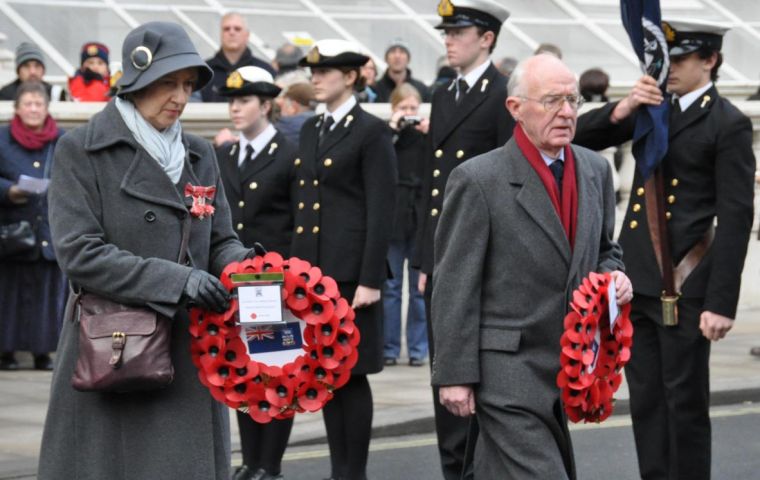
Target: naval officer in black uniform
<point x="345" y="195"/>
<point x="708" y="175"/>
<point x="468" y="117"/>
<point x="258" y="172"/>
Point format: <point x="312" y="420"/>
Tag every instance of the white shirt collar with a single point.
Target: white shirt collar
<point x="259" y="143"/>
<point x="341" y="111"/>
<point x="473" y="77"/>
<point x="549" y="160"/>
<point x="691" y="97"/>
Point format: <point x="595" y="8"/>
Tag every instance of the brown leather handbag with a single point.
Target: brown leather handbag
<point x="123" y="348"/>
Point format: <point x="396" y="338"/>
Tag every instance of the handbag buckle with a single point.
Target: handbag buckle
<point x="119" y="339"/>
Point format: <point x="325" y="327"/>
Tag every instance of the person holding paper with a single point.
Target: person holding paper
<point x="521" y="226"/>
<point x="257" y="173"/>
<point x="344" y="198"/>
<point x="32" y="287"/>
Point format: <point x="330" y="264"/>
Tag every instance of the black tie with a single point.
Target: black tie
<point x="247" y="158"/>
<point x="557" y="167"/>
<point x="461" y="89"/>
<point x="325" y="128"/>
<point x="675" y="108"/>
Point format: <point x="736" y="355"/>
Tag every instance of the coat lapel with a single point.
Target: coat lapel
<point x="533" y="198"/>
<point x="478" y="94"/>
<point x="339" y="131"/>
<point x="229" y="166"/>
<point x="147" y="181"/>
<point x="696" y="110"/>
<point x="588" y="196"/>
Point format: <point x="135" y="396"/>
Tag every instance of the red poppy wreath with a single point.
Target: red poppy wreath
<point x="593" y="354"/>
<point x="321" y="332"/>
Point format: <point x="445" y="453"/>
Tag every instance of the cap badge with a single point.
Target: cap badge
<point x="313" y="56"/>
<point x="445" y="8"/>
<point x="235" y="80"/>
<point x="670" y="34"/>
<point x="92" y="50"/>
<point x="141" y="58"/>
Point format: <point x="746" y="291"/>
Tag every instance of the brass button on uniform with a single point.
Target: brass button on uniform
<point x="315" y="230"/>
<point x="460" y="153"/>
<point x="297" y="162"/>
<point x="300" y="205"/>
<point x="241" y="204"/>
<point x="633" y="224"/>
<point x="44" y="243"/>
<point x="436" y="173"/>
<point x="674" y="182"/>
<point x="301" y="183"/>
<point x="253" y="185"/>
<point x="435" y="192"/>
<point x="299" y="229"/>
<point x="640" y="191"/>
<point x="434" y="212"/>
<point x="671" y="199"/>
<point x="36" y="164"/>
<point x="239" y="226"/>
<point x="328" y="162"/>
<point x="668" y="215"/>
<point x="315" y="206"/>
<point x="315" y="183"/>
<point x="636" y="207"/>
<point x="438" y="153"/>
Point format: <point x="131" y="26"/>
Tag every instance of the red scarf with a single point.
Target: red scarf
<point x="32" y="139"/>
<point x="568" y="210"/>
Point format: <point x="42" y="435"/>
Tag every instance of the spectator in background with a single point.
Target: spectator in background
<point x="233" y="55"/>
<point x="32" y="287"/>
<point x="549" y="48"/>
<point x="30" y="67"/>
<point x="755" y="96"/>
<point x="409" y="141"/>
<point x="369" y="73"/>
<point x="286" y="59"/>
<point x="397" y="56"/>
<point x="594" y="83"/>
<point x="506" y="65"/>
<point x="296" y="105"/>
<point x="92" y="82"/>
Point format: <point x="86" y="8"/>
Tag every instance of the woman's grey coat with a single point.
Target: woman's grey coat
<point x="116" y="223"/>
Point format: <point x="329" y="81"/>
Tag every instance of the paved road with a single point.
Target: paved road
<point x="599" y="451"/>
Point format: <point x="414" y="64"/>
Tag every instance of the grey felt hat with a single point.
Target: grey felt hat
<point x="155" y="49"/>
<point x="27" y="51"/>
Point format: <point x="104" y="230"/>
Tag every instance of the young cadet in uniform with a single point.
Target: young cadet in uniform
<point x="707" y="175"/>
<point x="257" y="173"/>
<point x="468" y="118"/>
<point x="345" y="194"/>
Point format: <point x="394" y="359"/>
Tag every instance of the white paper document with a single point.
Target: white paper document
<point x="260" y="304"/>
<point x="33" y="184"/>
<point x="614" y="312"/>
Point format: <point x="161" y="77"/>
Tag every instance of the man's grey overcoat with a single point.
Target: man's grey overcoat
<point x="504" y="275"/>
<point x="116" y="223"/>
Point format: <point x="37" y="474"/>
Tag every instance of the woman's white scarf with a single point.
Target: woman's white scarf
<point x="165" y="147"/>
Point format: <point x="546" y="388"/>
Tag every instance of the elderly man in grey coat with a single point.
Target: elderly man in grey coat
<point x="522" y="225"/>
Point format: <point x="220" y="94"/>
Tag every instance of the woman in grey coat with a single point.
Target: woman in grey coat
<point x="117" y="206"/>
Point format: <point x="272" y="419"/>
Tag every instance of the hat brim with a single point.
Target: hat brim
<point x="135" y="80"/>
<point x="459" y="23"/>
<point x="261" y="89"/>
<point x="680" y="51"/>
<point x="347" y="59"/>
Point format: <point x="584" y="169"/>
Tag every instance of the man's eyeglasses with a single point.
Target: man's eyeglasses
<point x="552" y="103"/>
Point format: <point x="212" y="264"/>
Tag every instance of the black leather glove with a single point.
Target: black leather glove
<point x="258" y="249"/>
<point x="206" y="291"/>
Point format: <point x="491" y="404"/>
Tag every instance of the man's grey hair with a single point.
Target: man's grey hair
<point x="231" y="14"/>
<point x="515" y="87"/>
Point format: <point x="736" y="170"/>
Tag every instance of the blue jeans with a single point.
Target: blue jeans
<point x="416" y="333"/>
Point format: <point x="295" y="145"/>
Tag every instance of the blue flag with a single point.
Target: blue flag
<point x="642" y="21"/>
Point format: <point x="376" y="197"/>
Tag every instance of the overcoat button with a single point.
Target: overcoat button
<point x="150" y="216"/>
<point x="633" y="224"/>
<point x="328" y="162"/>
<point x="438" y="153"/>
<point x="640" y="191"/>
<point x="460" y="153"/>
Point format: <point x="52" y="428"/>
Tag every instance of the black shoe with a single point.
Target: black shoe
<point x="8" y="361"/>
<point x="416" y="362"/>
<point x="242" y="473"/>
<point x="43" y="362"/>
<point x="390" y="361"/>
<point x="262" y="474"/>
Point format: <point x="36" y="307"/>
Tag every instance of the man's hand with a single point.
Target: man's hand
<point x="17" y="196"/>
<point x="365" y="296"/>
<point x="422" y="282"/>
<point x="644" y="92"/>
<point x="458" y="399"/>
<point x="623" y="287"/>
<point x="714" y="326"/>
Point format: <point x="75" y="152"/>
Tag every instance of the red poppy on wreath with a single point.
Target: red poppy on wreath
<point x="593" y="354"/>
<point x="329" y="345"/>
<point x="202" y="199"/>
